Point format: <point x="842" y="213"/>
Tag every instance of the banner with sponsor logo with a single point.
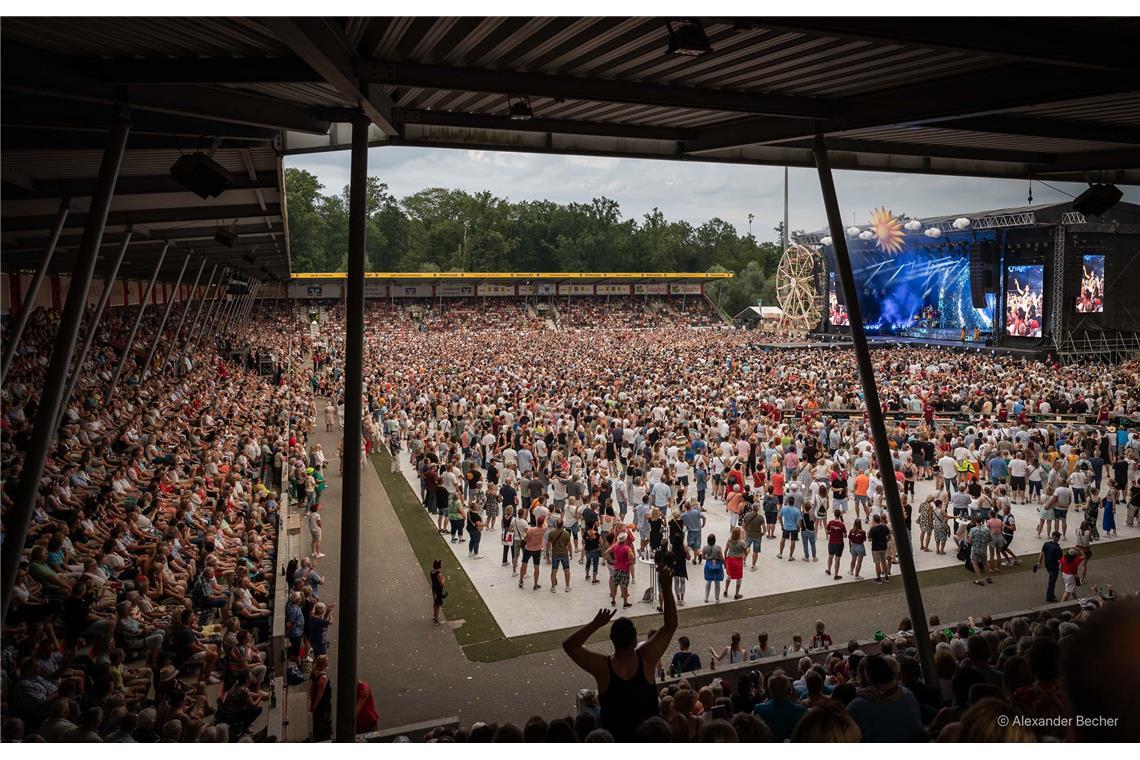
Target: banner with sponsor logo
<point x="651" y="289"/>
<point x="453" y="290"/>
<point x="527" y="290"/>
<point x="410" y="291"/>
<point x="309" y="290"/>
<point x="612" y="290"/>
<point x="375" y="289"/>
<point x="545" y="288"/>
<point x="495" y="290"/>
<point x="575" y="289"/>
<point x="685" y="288"/>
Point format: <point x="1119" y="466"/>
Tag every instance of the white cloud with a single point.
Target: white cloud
<point x="691" y="191"/>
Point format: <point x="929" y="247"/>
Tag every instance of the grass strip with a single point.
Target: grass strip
<point x="463" y="600"/>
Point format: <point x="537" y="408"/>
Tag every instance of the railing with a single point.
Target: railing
<point x="279" y="708"/>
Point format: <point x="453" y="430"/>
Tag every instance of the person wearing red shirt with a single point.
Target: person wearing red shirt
<point x="734" y="477"/>
<point x="778" y="484"/>
<point x="836" y="533"/>
<point x="1069" y="564"/>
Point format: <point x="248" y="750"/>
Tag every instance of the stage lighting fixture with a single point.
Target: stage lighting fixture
<point x="687" y="37"/>
<point x="201" y="175"/>
<point x="1097" y="199"/>
<point x="226" y="237"/>
<point x="519" y="109"/>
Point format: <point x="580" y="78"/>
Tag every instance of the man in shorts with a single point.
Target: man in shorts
<point x="559" y="541"/>
<point x="754" y="529"/>
<point x="314" y="520"/>
<point x="790" y="522"/>
<point x="880" y="536"/>
<point x="532" y="550"/>
<point x="836" y="535"/>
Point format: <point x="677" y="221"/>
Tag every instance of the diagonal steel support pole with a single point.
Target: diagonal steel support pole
<point x="194" y="324"/>
<point x="148" y="364"/>
<point x="875" y="414"/>
<point x="19" y="515"/>
<point x="28" y="304"/>
<point x="215" y="309"/>
<point x="93" y="327"/>
<point x="182" y="318"/>
<point x="135" y="327"/>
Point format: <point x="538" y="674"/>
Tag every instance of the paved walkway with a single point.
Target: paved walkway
<point x="418" y="672"/>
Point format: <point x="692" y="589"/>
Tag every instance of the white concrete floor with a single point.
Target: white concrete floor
<point x="523" y="611"/>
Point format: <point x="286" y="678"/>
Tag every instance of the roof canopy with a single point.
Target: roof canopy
<point x="978" y="97"/>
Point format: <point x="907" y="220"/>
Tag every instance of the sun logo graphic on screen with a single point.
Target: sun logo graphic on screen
<point x="887" y="230"/>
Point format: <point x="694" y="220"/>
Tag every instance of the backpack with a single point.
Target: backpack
<point x="290" y="572"/>
<point x="293" y="676"/>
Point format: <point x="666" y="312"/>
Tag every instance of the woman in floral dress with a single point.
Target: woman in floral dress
<point x="941" y="526"/>
<point x="925" y="523"/>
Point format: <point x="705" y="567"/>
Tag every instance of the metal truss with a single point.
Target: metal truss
<point x="1057" y="305"/>
<point x="1021" y="219"/>
<point x="1112" y="344"/>
<point x="1073" y="217"/>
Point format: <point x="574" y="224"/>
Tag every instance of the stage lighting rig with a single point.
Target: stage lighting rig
<point x="518" y="109"/>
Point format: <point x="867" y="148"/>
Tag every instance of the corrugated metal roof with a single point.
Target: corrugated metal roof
<point x="1002" y="98"/>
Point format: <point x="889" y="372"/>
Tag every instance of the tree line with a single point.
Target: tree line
<point x="442" y="230"/>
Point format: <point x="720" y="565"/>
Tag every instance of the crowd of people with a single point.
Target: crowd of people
<point x="1054" y="676"/>
<point x="143" y="602"/>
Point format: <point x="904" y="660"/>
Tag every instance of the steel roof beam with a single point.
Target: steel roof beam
<point x="1029" y="126"/>
<point x="558" y="126"/>
<point x="203" y="70"/>
<point x="47" y="138"/>
<point x="323" y="47"/>
<point x="151" y="216"/>
<point x="30" y="71"/>
<point x="78" y="187"/>
<point x="974" y="94"/>
<point x="1036" y="40"/>
<point x="459" y="78"/>
<point x="53" y="113"/>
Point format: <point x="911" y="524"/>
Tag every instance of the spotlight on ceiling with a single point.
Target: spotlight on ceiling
<point x="518" y="109"/>
<point x="201" y="175"/>
<point x="1097" y="199"/>
<point x="687" y="37"/>
<point x="226" y="236"/>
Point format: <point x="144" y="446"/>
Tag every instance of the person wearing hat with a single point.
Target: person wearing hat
<point x="620" y="557"/>
<point x="1050" y="558"/>
<point x="1070" y="563"/>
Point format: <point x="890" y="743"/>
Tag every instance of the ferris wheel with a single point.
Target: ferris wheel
<point x="796" y="290"/>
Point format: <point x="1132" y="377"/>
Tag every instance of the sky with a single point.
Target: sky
<point x="694" y="192"/>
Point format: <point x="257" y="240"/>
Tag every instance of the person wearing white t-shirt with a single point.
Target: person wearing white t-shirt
<point x="1018" y="469"/>
<point x="948" y="468"/>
